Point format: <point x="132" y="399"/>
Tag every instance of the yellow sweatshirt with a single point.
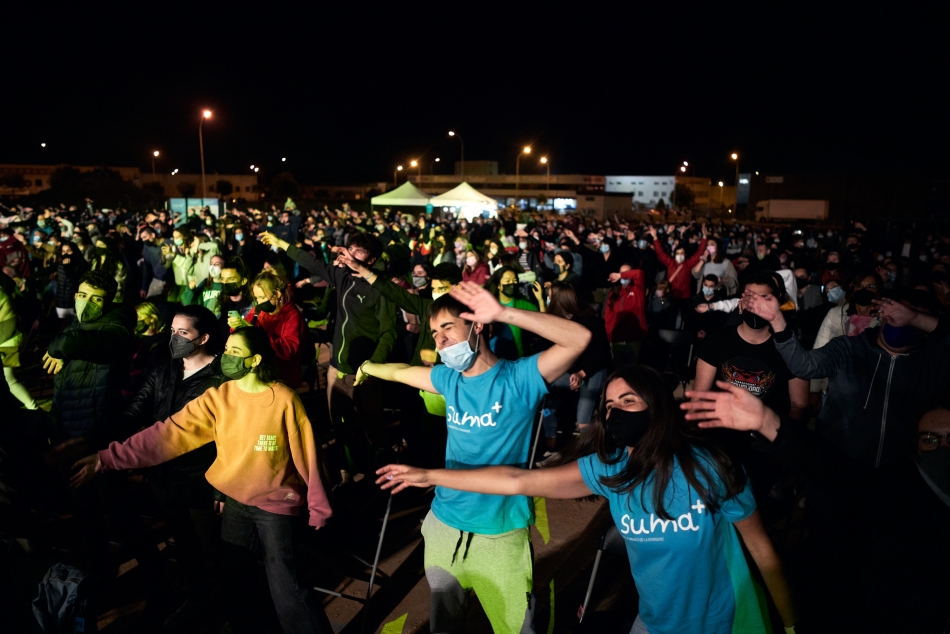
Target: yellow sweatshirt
<point x="266" y="453"/>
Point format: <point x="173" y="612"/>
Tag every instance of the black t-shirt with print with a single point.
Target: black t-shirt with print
<point x="758" y="368"/>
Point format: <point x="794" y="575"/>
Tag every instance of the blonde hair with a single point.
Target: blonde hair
<point x="148" y="309"/>
<point x="270" y="282"/>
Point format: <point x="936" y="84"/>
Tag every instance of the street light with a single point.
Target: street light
<point x="283" y="160"/>
<point x="462" y="145"/>
<point x="526" y="150"/>
<point x="418" y="166"/>
<point x="547" y="180"/>
<point x="735" y="157"/>
<point x="720" y="193"/>
<point x="395" y="174"/>
<point x="154" y="156"/>
<point x="206" y="114"/>
<point x="432" y="166"/>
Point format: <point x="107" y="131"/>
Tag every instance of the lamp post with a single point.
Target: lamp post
<point x="432" y="166"/>
<point x="526" y="150"/>
<point x="395" y="174"/>
<point x="462" y="146"/>
<point x="418" y="166"/>
<point x="735" y="157"/>
<point x="720" y="195"/>
<point x="547" y="179"/>
<point x="206" y="114"/>
<point x="154" y="156"/>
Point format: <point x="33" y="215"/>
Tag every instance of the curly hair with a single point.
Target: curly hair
<point x="102" y="281"/>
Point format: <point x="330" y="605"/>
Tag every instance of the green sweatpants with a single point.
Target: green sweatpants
<point x="499" y="568"/>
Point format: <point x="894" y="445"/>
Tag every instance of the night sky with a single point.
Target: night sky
<point x="345" y="97"/>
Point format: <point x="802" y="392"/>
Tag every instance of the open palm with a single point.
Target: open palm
<point x="484" y="308"/>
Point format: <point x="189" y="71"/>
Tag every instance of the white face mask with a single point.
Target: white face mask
<point x="680" y="258"/>
<point x="471" y="261"/>
<point x="214" y="270"/>
<point x="436" y="295"/>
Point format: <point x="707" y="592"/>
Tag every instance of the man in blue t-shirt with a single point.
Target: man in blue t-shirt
<point x="474" y="541"/>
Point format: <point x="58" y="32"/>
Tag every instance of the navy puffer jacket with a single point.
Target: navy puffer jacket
<point x="87" y="392"/>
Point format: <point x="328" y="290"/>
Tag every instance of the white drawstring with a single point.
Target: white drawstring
<point x="872" y="381"/>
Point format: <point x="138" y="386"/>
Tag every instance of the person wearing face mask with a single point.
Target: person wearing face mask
<point x="90" y="361"/>
<point x="482" y="542"/>
<point x="745" y="356"/>
<point x="475" y="270"/>
<point x="906" y="587"/>
<point x="495" y="251"/>
<point x="875" y="382"/>
<point x="156" y="277"/>
<point x="266" y="467"/>
<point x="506" y="341"/>
<point x="364" y="328"/>
<point x="853" y="315"/>
<point x="713" y="262"/>
<point x="69" y="268"/>
<point x="275" y="312"/>
<point x="625" y="315"/>
<point x="678" y="267"/>
<point x="191" y="368"/>
<point x="209" y="292"/>
<point x="654" y="469"/>
<point x="833" y="270"/>
<point x="13" y="254"/>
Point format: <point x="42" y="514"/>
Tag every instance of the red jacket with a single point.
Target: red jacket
<point x="625" y="309"/>
<point x="286" y="331"/>
<point x="479" y="275"/>
<point x="679" y="275"/>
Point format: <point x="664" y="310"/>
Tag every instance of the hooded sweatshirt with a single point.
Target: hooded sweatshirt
<point x="266" y="452"/>
<point x="873" y="397"/>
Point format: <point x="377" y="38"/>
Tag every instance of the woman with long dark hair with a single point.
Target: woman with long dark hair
<point x="266" y="466"/>
<point x="586" y="376"/>
<point x="679" y="503"/>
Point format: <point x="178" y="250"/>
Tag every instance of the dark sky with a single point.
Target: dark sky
<point x="601" y="90"/>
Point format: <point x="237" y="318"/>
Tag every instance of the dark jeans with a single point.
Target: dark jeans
<point x="247" y="531"/>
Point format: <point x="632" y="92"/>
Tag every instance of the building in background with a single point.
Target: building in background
<point x="28" y="180"/>
<point x="189" y="185"/>
<point x="644" y="190"/>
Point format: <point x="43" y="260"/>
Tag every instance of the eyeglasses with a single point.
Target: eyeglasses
<point x="929" y="441"/>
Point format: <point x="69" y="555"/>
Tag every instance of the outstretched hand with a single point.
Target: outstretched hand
<point x="733" y="408"/>
<point x="88" y="468"/>
<point x="271" y="240"/>
<point x="484" y="308"/>
<point x="399" y="476"/>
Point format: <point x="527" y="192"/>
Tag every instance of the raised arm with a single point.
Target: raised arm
<point x="564" y="482"/>
<point x="569" y="339"/>
<point x="303" y="258"/>
<point x="414" y="376"/>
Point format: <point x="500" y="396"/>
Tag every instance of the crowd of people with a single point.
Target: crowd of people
<point x="715" y="382"/>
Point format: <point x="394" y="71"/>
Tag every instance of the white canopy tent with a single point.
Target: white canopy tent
<point x="407" y="195"/>
<point x="468" y="201"/>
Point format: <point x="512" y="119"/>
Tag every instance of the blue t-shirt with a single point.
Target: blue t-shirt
<point x="690" y="572"/>
<point x="489" y="419"/>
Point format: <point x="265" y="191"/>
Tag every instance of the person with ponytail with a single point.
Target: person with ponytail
<point x="679" y="503"/>
<point x="266" y="466"/>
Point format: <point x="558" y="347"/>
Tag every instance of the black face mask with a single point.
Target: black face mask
<point x="181" y="347"/>
<point x="509" y="289"/>
<point x="232" y="288"/>
<point x="863" y="297"/>
<point x="802" y="282"/>
<point x="753" y="321"/>
<point x="628" y="428"/>
<point x="831" y="266"/>
<point x="266" y="307"/>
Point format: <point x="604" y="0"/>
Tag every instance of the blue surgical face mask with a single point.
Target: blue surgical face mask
<point x="708" y="291"/>
<point x="899" y="336"/>
<point x="835" y="294"/>
<point x="604" y="248"/>
<point x="641" y="244"/>
<point x="892" y="276"/>
<point x="460" y="356"/>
